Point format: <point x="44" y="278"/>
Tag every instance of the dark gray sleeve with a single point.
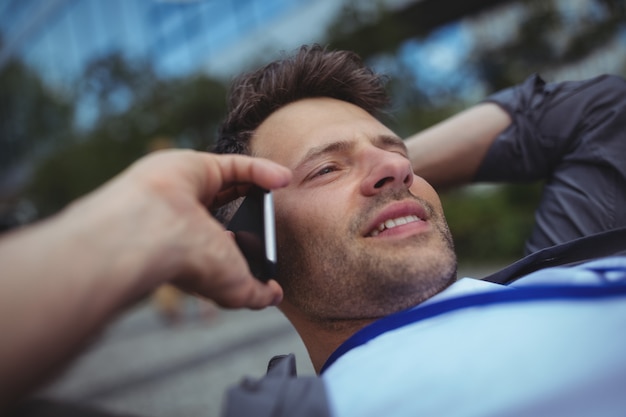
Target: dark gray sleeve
<point x="573" y="136"/>
<point x="280" y="393"/>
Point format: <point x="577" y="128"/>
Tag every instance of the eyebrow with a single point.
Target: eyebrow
<point x="386" y="141"/>
<point x="381" y="141"/>
<point x="319" y="151"/>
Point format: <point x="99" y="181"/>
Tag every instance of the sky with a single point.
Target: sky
<point x="438" y="59"/>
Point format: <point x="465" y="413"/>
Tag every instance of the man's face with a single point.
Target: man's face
<point x="359" y="236"/>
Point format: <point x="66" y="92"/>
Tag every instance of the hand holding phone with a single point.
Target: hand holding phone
<point x="255" y="233"/>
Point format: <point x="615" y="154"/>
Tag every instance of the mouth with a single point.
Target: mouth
<point x="400" y="216"/>
<point x="391" y="223"/>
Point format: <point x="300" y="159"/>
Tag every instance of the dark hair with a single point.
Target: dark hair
<point x="312" y="72"/>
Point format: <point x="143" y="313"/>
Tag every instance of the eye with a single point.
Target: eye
<point x="325" y="170"/>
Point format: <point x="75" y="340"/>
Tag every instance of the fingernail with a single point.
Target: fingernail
<point x="277" y="300"/>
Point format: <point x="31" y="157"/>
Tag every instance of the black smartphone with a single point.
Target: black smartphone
<point x="255" y="233"/>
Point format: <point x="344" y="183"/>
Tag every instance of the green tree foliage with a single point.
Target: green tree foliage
<point x="33" y="120"/>
<point x="32" y="116"/>
<point x="549" y="35"/>
<point x="137" y="112"/>
<point x="491" y="224"/>
<point x="122" y="109"/>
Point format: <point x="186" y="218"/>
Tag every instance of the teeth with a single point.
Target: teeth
<point x="391" y="223"/>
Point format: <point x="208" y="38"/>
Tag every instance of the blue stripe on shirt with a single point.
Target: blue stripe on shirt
<point x="520" y="294"/>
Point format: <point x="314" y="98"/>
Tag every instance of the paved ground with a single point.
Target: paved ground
<point x="144" y="366"/>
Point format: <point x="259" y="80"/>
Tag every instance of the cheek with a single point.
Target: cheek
<point x="304" y="213"/>
<point x="423" y="189"/>
<point x="289" y="214"/>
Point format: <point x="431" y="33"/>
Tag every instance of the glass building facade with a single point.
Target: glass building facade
<point x="57" y="37"/>
<point x="67" y="65"/>
<point x="81" y="73"/>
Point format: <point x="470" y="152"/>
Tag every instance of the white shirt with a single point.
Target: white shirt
<point x="533" y="357"/>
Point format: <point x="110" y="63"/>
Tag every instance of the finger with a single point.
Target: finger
<point x="277" y="290"/>
<point x="236" y="173"/>
<point x="240" y="292"/>
<point x="230" y="194"/>
<point x="259" y="295"/>
<point x="272" y="292"/>
<point x="205" y="174"/>
<point x="260" y="298"/>
<point x="244" y="290"/>
<point x="222" y="274"/>
<point x="239" y="169"/>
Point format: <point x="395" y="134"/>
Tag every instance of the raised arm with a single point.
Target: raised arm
<point x="571" y="135"/>
<point x="450" y="152"/>
<point x="64" y="278"/>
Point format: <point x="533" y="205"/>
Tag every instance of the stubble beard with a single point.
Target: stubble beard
<point x="331" y="280"/>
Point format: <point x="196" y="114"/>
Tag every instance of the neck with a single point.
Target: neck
<point x="321" y="339"/>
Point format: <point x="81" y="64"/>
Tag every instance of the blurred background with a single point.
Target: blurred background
<point x="88" y="86"/>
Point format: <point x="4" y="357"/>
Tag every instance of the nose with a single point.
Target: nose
<point x="385" y="169"/>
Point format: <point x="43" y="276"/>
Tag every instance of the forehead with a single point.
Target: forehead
<point x="290" y="132"/>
